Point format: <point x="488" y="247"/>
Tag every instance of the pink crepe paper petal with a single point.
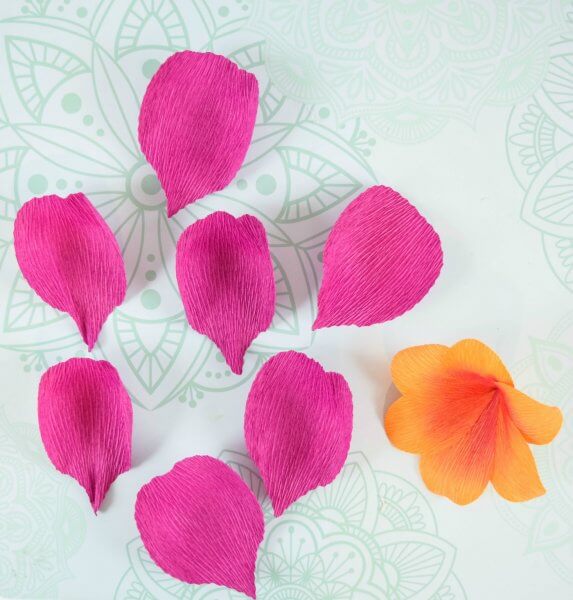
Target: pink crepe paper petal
<point x="202" y="524"/>
<point x="298" y="425"/>
<point x="70" y="258"/>
<point x="196" y="123"/>
<point x="85" y="418"/>
<point x="381" y="258"/>
<point x="226" y="280"/>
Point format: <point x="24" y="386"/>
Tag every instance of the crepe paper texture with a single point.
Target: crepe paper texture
<point x="70" y="258"/>
<point x="196" y="123"/>
<point x="226" y="281"/>
<point x="85" y="417"/>
<point x="202" y="524"/>
<point x="461" y="412"/>
<point x="298" y="426"/>
<point x="381" y="258"/>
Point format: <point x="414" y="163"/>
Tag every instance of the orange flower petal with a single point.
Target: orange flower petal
<point x="475" y="357"/>
<point x="429" y="424"/>
<point x="461" y="412"/>
<point x="406" y="426"/>
<point x="462" y="472"/>
<point x="515" y="475"/>
<point x="538" y="423"/>
<point x="412" y="367"/>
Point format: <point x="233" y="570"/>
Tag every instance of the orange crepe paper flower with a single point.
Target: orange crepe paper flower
<point x="461" y="412"/>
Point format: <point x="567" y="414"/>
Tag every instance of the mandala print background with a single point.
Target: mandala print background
<point x="407" y="67"/>
<point x="338" y="79"/>
<point x="539" y="147"/>
<point x="547" y="522"/>
<point x="370" y="535"/>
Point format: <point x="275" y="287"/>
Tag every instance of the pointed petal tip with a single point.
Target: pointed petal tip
<point x="236" y="367"/>
<point x="234" y="354"/>
<point x="279" y="506"/>
<point x="317" y="323"/>
<point x="172" y="208"/>
<point x="95" y="501"/>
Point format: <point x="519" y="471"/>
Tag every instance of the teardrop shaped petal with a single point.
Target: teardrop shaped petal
<point x="298" y="425"/>
<point x="195" y="125"/>
<point x="85" y="417"/>
<point x="226" y="281"/>
<point x="202" y="524"/>
<point x="70" y="258"/>
<point x="381" y="258"/>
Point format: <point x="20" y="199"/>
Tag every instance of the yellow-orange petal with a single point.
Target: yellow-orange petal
<point x="412" y="367"/>
<point x="406" y="426"/>
<point x="538" y="423"/>
<point x="428" y="424"/>
<point x="475" y="357"/>
<point x="462" y="471"/>
<point x="515" y="475"/>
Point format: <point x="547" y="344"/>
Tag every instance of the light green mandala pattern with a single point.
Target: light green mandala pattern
<point x="540" y="151"/>
<point x="70" y="91"/>
<point x="40" y="527"/>
<point x="369" y="535"/>
<point x="407" y="66"/>
<point x="547" y="522"/>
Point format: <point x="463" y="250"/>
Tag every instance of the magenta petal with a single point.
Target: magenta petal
<point x="70" y="258"/>
<point x="85" y="418"/>
<point x="298" y="425"/>
<point x="202" y="524"/>
<point x="226" y="280"/>
<point x="196" y="124"/>
<point x="381" y="258"/>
